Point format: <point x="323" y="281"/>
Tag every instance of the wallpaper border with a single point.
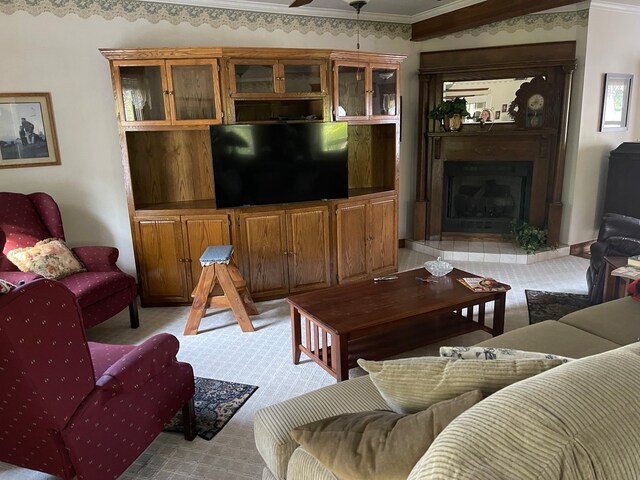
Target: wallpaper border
<point x="155" y="12"/>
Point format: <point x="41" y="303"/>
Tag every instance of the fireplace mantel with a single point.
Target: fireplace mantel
<point x="551" y="65"/>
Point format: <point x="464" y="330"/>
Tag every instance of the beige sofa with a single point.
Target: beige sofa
<point x="585" y="333"/>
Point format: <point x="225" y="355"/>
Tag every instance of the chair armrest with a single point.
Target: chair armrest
<point x="17" y="277"/>
<point x="98" y="259"/>
<point x="146" y="361"/>
<point x="272" y="424"/>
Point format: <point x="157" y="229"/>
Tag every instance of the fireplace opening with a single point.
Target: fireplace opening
<point x="485" y="196"/>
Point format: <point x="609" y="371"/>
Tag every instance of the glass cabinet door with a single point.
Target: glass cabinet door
<point x="303" y="78"/>
<point x="351" y="91"/>
<point x="142" y="88"/>
<point x="384" y="91"/>
<point x="251" y="78"/>
<point x="193" y="91"/>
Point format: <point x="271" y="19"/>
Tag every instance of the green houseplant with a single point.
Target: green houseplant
<point x="528" y="237"/>
<point x="450" y="113"/>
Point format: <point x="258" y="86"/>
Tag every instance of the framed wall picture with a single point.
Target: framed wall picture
<point x="27" y="131"/>
<point x="615" y="102"/>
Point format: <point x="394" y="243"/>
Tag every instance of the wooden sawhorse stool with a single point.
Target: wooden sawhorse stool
<point x="219" y="267"/>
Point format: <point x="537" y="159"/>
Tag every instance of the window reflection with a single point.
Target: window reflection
<point x="491" y="96"/>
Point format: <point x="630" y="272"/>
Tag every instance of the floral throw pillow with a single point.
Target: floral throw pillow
<point x="492" y="353"/>
<point x="6" y="287"/>
<point x="50" y="258"/>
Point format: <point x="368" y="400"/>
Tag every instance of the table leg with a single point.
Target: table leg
<point x="498" y="314"/>
<point x="296" y="334"/>
<point x="342" y="354"/>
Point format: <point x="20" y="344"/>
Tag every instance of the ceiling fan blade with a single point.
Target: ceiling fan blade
<point x="300" y="3"/>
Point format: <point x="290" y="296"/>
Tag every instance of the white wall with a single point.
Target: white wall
<point x="60" y="55"/>
<point x="611" y="47"/>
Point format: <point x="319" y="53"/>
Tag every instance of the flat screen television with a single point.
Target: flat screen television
<point x="261" y="164"/>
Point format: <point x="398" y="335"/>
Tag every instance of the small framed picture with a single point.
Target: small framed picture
<point x="505" y="107"/>
<point x="615" y="102"/>
<point x="27" y="131"/>
<point x="497" y="114"/>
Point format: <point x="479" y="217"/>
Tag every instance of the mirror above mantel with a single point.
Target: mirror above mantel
<point x="494" y="95"/>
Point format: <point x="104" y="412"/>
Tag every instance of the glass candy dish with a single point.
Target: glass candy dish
<point x="438" y="268"/>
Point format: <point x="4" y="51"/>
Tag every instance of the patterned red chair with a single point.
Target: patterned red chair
<point x="102" y="291"/>
<point x="70" y="407"/>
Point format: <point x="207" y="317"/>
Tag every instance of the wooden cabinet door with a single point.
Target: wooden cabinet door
<point x="199" y="232"/>
<point x="308" y="248"/>
<point x="351" y="234"/>
<point x="141" y="87"/>
<point x="351" y="86"/>
<point x="385" y="92"/>
<point x="302" y="78"/>
<point x="194" y="93"/>
<point x="264" y="245"/>
<point x="253" y="78"/>
<point x="161" y="260"/>
<point x="382" y="236"/>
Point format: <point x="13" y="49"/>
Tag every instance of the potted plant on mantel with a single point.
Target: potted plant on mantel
<point x="450" y="113"/>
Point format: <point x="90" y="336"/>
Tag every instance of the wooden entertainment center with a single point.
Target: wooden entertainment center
<point x="166" y="99"/>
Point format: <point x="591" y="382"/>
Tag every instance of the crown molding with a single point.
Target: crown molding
<point x="617" y="6"/>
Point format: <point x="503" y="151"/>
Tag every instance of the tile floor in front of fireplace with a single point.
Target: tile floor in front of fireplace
<point x="484" y="251"/>
<point x="263" y="358"/>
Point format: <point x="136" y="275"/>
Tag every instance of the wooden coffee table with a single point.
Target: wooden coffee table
<point x="375" y="320"/>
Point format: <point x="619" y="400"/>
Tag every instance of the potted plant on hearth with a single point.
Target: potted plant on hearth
<point x="450" y="113"/>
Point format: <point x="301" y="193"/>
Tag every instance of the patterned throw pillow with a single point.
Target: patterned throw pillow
<point x="6" y="287"/>
<point x="492" y="353"/>
<point x="50" y="258"/>
<point x="412" y="384"/>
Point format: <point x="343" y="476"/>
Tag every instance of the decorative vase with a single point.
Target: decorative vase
<point x="452" y="123"/>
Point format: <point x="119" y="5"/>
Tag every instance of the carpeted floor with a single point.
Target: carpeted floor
<point x="215" y="401"/>
<point x="553" y="305"/>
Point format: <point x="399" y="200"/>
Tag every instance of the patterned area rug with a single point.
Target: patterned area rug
<point x="216" y="401"/>
<point x="553" y="305"/>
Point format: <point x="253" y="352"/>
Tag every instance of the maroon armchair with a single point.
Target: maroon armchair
<point x="102" y="291"/>
<point x="70" y="407"/>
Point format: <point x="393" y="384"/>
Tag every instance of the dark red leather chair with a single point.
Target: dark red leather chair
<point x="102" y="291"/>
<point x="70" y="407"/>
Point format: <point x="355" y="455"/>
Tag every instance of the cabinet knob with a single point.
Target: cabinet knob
<point x="285" y="253"/>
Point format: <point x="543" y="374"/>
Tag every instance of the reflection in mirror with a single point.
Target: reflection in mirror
<point x="487" y="100"/>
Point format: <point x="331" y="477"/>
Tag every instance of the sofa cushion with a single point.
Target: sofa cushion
<point x="50" y="258"/>
<point x="579" y="421"/>
<point x="552" y="337"/>
<point x="92" y="287"/>
<point x="412" y="384"/>
<point x="598" y="320"/>
<point x="379" y="445"/>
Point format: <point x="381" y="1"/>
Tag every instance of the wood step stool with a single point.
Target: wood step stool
<point x="219" y="267"/>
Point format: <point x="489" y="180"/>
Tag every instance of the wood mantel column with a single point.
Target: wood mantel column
<point x="555" y="204"/>
<point x="420" y="205"/>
